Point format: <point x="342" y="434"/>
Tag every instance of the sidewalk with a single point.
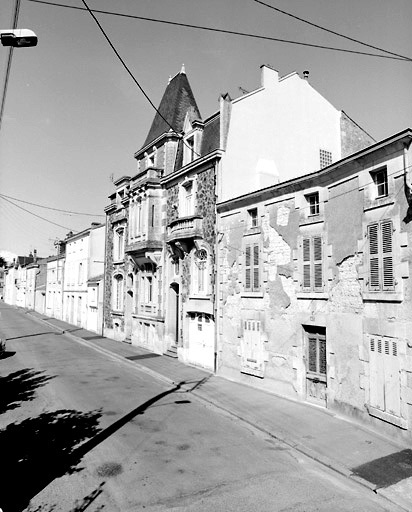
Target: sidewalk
<point x="353" y="451"/>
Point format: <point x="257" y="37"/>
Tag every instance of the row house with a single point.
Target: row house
<point x="15" y="280"/>
<point x="36" y="274"/>
<point x="160" y="288"/>
<point x="54" y="282"/>
<point x="84" y="262"/>
<point x="314" y="286"/>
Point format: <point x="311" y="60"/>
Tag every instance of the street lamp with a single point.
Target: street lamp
<point x="18" y="38"/>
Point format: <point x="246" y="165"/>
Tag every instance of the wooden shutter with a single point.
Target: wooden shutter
<point x="388" y="279"/>
<point x="256" y="276"/>
<point x="306" y="263"/>
<point x="248" y="280"/>
<point x="373" y="237"/>
<point x="317" y="262"/>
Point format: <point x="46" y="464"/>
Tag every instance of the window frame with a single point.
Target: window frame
<point x="313" y="264"/>
<point x="383" y="171"/>
<point x="314" y="207"/>
<point x="380" y="255"/>
<point x="118" y="292"/>
<point x="252" y="264"/>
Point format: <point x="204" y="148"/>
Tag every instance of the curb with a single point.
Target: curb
<point x="308" y="452"/>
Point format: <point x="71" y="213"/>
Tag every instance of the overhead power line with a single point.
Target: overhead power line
<point x="126" y="67"/>
<point x="9" y="59"/>
<point x="223" y="31"/>
<point x="35" y="214"/>
<point x="50" y="208"/>
<point x="331" y="31"/>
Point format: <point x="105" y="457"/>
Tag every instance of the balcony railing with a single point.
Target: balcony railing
<point x="184" y="228"/>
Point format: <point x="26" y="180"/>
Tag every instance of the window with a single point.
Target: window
<point x="313" y="203"/>
<point x="200" y="272"/>
<point x="312" y="263"/>
<point x="190" y="149"/>
<point x="316" y="350"/>
<point x="118" y="293"/>
<point x="146" y="294"/>
<point x="380" y="244"/>
<point x="150" y="160"/>
<point x="380" y="180"/>
<point x="136" y="219"/>
<point x="325" y="158"/>
<point x="80" y="275"/>
<point x="187" y="199"/>
<point x="252" y="268"/>
<point x="253" y="217"/>
<point x="118" y="244"/>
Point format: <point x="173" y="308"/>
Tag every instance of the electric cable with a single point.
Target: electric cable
<point x="223" y="31"/>
<point x="331" y="31"/>
<point x="9" y="60"/>
<point x="50" y="208"/>
<point x="35" y="214"/>
<point x="132" y="76"/>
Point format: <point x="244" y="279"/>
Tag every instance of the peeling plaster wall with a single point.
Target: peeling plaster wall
<point x="283" y="310"/>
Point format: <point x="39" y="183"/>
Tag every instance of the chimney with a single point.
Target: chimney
<point x="34" y="255"/>
<point x="95" y="224"/>
<point x="306" y="75"/>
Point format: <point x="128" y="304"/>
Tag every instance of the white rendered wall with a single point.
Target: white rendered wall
<point x="275" y="134"/>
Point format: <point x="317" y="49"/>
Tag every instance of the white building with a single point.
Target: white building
<point x="54" y="286"/>
<point x="84" y="260"/>
<point x="283" y="130"/>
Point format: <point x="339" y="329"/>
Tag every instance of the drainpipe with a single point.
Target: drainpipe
<point x="408" y="172"/>
<point x="104" y="277"/>
<point x="216" y="272"/>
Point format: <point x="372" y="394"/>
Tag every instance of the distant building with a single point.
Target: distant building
<point x="84" y="259"/>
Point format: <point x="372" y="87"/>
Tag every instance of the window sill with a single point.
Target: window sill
<point x="388" y="417"/>
<point x="252" y="295"/>
<point x="313" y="295"/>
<point x="117" y="313"/>
<point x="118" y="262"/>
<point x="255" y="230"/>
<point x="382" y="296"/>
<point x="312" y="219"/>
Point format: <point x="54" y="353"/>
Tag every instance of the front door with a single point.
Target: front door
<point x="201" y="340"/>
<point x="316" y="382"/>
<point x="174" y="313"/>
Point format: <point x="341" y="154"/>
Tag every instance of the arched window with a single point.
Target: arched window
<point x="118" y="292"/>
<point x="118" y="244"/>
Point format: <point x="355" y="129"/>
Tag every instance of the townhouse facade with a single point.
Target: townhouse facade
<point x="54" y="285"/>
<point x="84" y="259"/>
<point x="15" y="280"/>
<point x="314" y="286"/>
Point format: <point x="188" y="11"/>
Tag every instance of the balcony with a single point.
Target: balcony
<point x="185" y="228"/>
<point x="142" y="244"/>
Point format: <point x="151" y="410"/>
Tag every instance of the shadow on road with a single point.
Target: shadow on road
<point x="38" y="450"/>
<point x="18" y="387"/>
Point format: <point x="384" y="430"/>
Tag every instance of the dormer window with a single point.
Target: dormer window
<point x="151" y="160"/>
<point x="252" y="217"/>
<point x="380" y="180"/>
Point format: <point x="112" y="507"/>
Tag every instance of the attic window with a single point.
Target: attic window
<point x="151" y="160"/>
<point x="189" y="149"/>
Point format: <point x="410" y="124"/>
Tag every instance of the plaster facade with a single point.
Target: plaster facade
<point x="315" y="298"/>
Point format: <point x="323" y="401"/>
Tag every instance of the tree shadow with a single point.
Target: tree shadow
<point x="20" y="386"/>
<point x="79" y="506"/>
<point x="38" y="450"/>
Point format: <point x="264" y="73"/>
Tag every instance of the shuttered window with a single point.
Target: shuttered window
<point x="380" y="243"/>
<point x="312" y="257"/>
<point x="252" y="268"/>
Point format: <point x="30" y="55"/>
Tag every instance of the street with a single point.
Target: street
<point x="80" y="431"/>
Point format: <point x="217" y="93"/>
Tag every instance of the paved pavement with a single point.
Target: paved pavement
<point x="381" y="464"/>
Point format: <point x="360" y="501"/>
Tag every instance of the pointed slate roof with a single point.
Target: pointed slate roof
<point x="177" y="100"/>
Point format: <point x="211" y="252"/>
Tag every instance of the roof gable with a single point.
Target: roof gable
<point x="177" y="101"/>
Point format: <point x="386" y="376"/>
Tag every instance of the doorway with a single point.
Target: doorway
<point x="316" y="378"/>
<point x="174" y="313"/>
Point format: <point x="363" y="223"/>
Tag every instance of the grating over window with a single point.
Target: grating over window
<point x="325" y="158"/>
<point x="316" y="337"/>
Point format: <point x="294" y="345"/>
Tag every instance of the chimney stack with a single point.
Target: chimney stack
<point x="306" y="75"/>
<point x="34" y="255"/>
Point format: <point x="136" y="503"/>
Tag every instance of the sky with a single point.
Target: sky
<point x="74" y="118"/>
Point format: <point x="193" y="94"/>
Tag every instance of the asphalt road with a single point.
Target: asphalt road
<point x="79" y="431"/>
